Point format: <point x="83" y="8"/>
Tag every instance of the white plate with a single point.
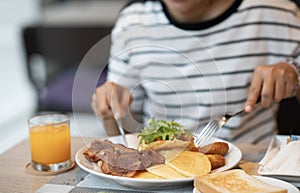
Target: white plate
<point x="233" y="157"/>
<point x="272" y="181"/>
<point x="295" y="179"/>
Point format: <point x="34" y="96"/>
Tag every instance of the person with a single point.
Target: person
<point x="191" y="60"/>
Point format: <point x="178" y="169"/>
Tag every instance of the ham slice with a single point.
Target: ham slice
<point x="119" y="160"/>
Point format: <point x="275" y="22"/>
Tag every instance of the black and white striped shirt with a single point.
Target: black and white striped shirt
<point x="193" y="72"/>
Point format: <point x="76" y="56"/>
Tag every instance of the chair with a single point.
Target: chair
<point x="54" y="55"/>
<point x="288" y="117"/>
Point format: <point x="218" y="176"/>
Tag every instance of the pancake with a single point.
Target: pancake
<point x="170" y="154"/>
<point x="165" y="171"/>
<point x="191" y="164"/>
<point x="147" y="175"/>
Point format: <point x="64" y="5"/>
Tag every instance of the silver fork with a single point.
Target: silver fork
<point x="205" y="134"/>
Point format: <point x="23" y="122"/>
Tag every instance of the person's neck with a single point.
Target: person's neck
<point x="205" y="12"/>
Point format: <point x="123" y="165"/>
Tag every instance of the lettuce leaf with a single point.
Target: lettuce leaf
<point x="162" y="130"/>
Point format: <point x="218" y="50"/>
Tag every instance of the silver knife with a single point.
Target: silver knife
<point x="121" y="129"/>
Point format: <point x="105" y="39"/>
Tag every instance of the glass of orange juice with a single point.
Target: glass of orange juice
<point x="50" y="142"/>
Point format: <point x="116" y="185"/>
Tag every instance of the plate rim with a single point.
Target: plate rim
<point x="278" y="180"/>
<point x="116" y="179"/>
<point x="262" y="172"/>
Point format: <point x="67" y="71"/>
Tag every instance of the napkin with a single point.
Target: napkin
<point x="282" y="158"/>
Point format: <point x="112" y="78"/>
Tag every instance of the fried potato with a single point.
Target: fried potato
<point x="216" y="161"/>
<point x="219" y="148"/>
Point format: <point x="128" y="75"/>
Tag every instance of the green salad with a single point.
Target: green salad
<point x="162" y="130"/>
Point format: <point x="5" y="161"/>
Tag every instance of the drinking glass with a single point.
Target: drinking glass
<point x="50" y="142"/>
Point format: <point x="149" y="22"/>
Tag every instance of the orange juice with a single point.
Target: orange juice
<point x="50" y="143"/>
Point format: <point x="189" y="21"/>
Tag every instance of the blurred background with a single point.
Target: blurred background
<point x="33" y="34"/>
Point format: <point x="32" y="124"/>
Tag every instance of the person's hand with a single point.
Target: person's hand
<point x="273" y="83"/>
<point x="111" y="101"/>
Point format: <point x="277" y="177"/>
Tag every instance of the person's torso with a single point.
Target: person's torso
<point x="192" y="73"/>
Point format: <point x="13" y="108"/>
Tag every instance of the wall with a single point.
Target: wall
<point x="17" y="98"/>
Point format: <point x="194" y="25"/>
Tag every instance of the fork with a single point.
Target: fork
<point x="205" y="134"/>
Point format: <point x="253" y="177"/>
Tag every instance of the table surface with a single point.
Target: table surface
<point x="13" y="176"/>
<point x="15" y="179"/>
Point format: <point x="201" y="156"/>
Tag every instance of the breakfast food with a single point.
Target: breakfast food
<point x="170" y="139"/>
<point x="164" y="135"/>
<point x="146" y="175"/>
<point x="216" y="161"/>
<point x="191" y="164"/>
<point x="219" y="148"/>
<point x="186" y="164"/>
<point x="119" y="160"/>
<point x="165" y="151"/>
<point x="233" y="181"/>
<point x="165" y="171"/>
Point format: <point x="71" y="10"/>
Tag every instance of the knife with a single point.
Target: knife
<point x="121" y="129"/>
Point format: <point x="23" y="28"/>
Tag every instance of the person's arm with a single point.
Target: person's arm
<point x="123" y="83"/>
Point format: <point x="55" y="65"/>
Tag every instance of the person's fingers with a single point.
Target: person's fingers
<point x="280" y="90"/>
<point x="111" y="101"/>
<point x="104" y="109"/>
<point x="114" y="102"/>
<point x="291" y="84"/>
<point x="126" y="100"/>
<point x="290" y="77"/>
<point x="267" y="92"/>
<point x="254" y="92"/>
<point x="100" y="102"/>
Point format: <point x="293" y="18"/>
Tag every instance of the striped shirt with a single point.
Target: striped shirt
<point x="194" y="72"/>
